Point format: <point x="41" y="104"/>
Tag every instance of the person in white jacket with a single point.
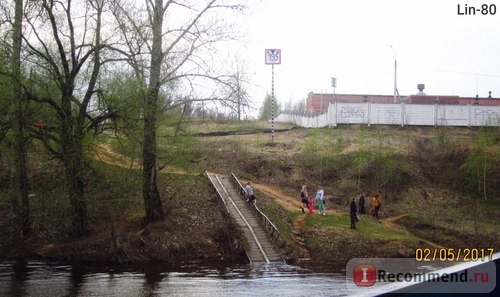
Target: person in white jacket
<point x="320" y="198"/>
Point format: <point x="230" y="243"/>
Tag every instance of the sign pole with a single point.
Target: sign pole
<point x="272" y="104"/>
<point x="272" y="56"/>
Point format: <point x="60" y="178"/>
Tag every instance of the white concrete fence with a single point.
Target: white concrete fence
<point x="398" y="114"/>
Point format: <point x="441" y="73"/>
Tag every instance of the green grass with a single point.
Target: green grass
<point x="366" y="227"/>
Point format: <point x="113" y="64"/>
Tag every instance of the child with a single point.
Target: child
<point x="310" y="205"/>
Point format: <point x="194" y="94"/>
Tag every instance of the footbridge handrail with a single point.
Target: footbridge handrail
<point x="268" y="224"/>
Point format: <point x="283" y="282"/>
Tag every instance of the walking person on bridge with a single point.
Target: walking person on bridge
<point x="249" y="193"/>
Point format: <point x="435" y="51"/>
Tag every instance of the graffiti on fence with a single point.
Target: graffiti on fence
<point x="356" y="112"/>
<point x="485" y="113"/>
<point x="393" y="115"/>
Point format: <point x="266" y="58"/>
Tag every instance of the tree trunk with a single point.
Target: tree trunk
<point x="76" y="192"/>
<point x="72" y="154"/>
<point x="151" y="195"/>
<point x="76" y="188"/>
<point x="18" y="123"/>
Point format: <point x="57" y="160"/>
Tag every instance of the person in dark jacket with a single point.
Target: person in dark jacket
<point x="304" y="198"/>
<point x="361" y="204"/>
<point x="354" y="214"/>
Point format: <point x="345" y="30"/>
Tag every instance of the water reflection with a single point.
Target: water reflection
<point x="52" y="279"/>
<point x="19" y="277"/>
<point x="76" y="279"/>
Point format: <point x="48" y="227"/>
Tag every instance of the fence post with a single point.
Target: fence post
<point x="469" y="115"/>
<point x="369" y="113"/>
<point x="402" y="114"/>
<point x="435" y="114"/>
<point x="335" y="114"/>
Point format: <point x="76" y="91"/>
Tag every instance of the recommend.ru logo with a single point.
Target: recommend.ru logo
<point x="406" y="275"/>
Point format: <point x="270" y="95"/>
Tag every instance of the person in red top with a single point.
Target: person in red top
<point x="310" y="205"/>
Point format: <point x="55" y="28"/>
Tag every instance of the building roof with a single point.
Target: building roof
<point x="351" y="98"/>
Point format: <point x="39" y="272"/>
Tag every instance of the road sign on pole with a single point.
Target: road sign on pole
<point x="272" y="57"/>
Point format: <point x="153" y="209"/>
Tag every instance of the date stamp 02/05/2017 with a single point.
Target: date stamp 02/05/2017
<point x="483" y="9"/>
<point x="454" y="254"/>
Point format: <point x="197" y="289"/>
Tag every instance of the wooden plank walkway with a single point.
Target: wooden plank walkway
<point x="260" y="248"/>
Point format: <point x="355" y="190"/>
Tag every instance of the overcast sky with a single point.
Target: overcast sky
<point x="351" y="40"/>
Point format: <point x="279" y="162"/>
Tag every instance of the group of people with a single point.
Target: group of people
<point x="361" y="209"/>
<point x="308" y="201"/>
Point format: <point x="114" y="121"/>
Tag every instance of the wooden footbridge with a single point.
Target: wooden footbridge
<point x="261" y="235"/>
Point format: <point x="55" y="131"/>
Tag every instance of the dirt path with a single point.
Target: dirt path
<point x="287" y="202"/>
<point x="390" y="222"/>
<point x="105" y="153"/>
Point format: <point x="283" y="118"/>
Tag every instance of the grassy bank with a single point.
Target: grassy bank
<point x="438" y="185"/>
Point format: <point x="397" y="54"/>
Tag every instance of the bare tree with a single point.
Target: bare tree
<point x="236" y="92"/>
<point x="65" y="48"/>
<point x="20" y="202"/>
<point x="165" y="42"/>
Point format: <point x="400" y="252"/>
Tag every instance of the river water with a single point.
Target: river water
<point x="258" y="279"/>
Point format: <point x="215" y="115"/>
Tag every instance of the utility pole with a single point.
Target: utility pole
<point x="396" y="92"/>
<point x="334" y="100"/>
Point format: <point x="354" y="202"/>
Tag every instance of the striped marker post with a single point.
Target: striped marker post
<point x="272" y="57"/>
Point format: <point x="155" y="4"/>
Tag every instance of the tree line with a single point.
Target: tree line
<point x="78" y="67"/>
